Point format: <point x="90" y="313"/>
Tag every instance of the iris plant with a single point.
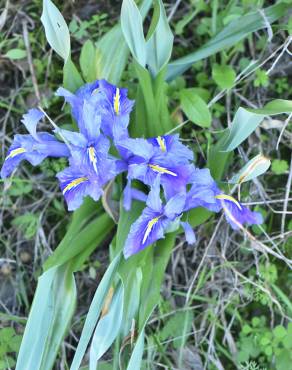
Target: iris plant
<point x="163" y="164"/>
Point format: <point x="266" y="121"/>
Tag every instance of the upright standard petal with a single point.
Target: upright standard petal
<point x="171" y="146"/>
<point x="189" y="233"/>
<point x="203" y="191"/>
<point x="153" y="200"/>
<point x="116" y="110"/>
<point x="31" y="119"/>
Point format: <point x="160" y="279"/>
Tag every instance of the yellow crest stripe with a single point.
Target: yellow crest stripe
<point x="161" y="143"/>
<point x="117" y="101"/>
<point x="230" y="198"/>
<point x="74" y="183"/>
<point x="15" y="152"/>
<point x="149" y="228"/>
<point x="159" y="169"/>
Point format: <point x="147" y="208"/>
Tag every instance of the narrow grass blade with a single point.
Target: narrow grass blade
<point x="230" y="35"/>
<point x="50" y="315"/>
<point x="94" y="312"/>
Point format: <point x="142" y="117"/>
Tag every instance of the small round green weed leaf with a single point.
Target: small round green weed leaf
<point x="224" y="76"/>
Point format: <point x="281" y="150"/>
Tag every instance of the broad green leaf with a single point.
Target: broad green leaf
<point x="132" y="27"/>
<point x="253" y="168"/>
<point x="94" y="312"/>
<point x="197" y="216"/>
<point x="84" y="242"/>
<point x="88" y="61"/>
<point x="230" y="35"/>
<point x="137" y="354"/>
<point x="107" y="328"/>
<point x="15" y="54"/>
<point x="276" y="106"/>
<point x="113" y="51"/>
<point x="153" y="272"/>
<point x="218" y="161"/>
<point x="159" y="45"/>
<point x="51" y="312"/>
<point x="195" y="108"/>
<point x="132" y="298"/>
<point x="243" y="124"/>
<point x="57" y="32"/>
<point x="224" y="76"/>
<point x="71" y="77"/>
<point x="111" y="55"/>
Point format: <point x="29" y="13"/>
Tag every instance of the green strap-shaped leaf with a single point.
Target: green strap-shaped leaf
<point x="94" y="312"/>
<point x="107" y="328"/>
<point x="159" y="45"/>
<point x="113" y="51"/>
<point x="274" y="107"/>
<point x="246" y="121"/>
<point x="137" y="354"/>
<point x="243" y="124"/>
<point x="82" y="242"/>
<point x="132" y="27"/>
<point x="230" y="35"/>
<point x="50" y="315"/>
<point x="252" y="169"/>
<point x="57" y="32"/>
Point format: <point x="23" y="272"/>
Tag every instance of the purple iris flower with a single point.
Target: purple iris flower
<point x="172" y="146"/>
<point x="110" y="103"/>
<point x="89" y="148"/>
<point x="78" y="181"/>
<point x="205" y="193"/>
<point x="116" y="110"/>
<point x="33" y="147"/>
<point x="236" y="214"/>
<point x="145" y="161"/>
<point x="154" y="221"/>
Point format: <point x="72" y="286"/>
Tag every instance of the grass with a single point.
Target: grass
<point x="224" y="304"/>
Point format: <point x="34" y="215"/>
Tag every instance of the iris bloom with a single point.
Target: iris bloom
<point x="78" y="181"/>
<point x="164" y="156"/>
<point x="205" y="193"/>
<point x="237" y="214"/>
<point x="154" y="221"/>
<point x="110" y="103"/>
<point x="89" y="148"/>
<point x="33" y="147"/>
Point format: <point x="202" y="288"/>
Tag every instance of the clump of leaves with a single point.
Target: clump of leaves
<point x="256" y="340"/>
<point x="9" y="344"/>
<point x="279" y="166"/>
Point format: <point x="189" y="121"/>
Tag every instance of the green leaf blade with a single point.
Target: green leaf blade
<point x="195" y="108"/>
<point x="56" y="29"/>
